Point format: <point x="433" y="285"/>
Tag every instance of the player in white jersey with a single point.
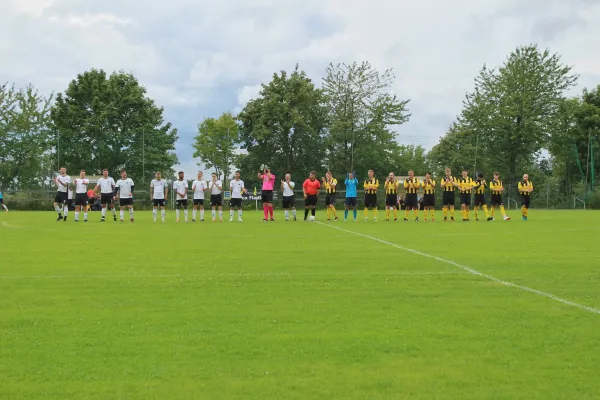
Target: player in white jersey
<point x="289" y="201"/>
<point x="124" y="192"/>
<point x="180" y="186"/>
<point x="62" y="182"/>
<point x="159" y="190"/>
<point x="216" y="199"/>
<point x="81" y="198"/>
<point x="198" y="187"/>
<point x="106" y="186"/>
<point x="237" y="189"/>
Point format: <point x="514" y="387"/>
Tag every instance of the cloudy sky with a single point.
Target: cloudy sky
<point x="198" y="58"/>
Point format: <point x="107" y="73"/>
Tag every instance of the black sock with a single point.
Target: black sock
<point x="313" y="211"/>
<point x="305" y="213"/>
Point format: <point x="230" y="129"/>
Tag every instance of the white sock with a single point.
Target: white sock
<point x="4" y="206"/>
<point x="194" y="213"/>
<point x="85" y="216"/>
<point x="103" y="212"/>
<point x="202" y="214"/>
<point x="76" y="215"/>
<point x="287" y="214"/>
<point x="131" y="213"/>
<point x="154" y="213"/>
<point x="57" y="208"/>
<point x="240" y="214"/>
<point x="220" y="214"/>
<point x="230" y="213"/>
<point x="294" y="212"/>
<point x="214" y="214"/>
<point x="177" y="213"/>
<point x="122" y="214"/>
<point x="185" y="214"/>
<point x="114" y="211"/>
<point x="163" y="214"/>
<point x="65" y="210"/>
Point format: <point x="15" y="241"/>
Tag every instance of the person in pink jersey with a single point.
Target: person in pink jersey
<point x="268" y="185"/>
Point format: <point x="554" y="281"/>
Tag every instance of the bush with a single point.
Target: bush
<point x="594" y="200"/>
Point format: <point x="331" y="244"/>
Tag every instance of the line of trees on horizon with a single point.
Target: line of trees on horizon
<point x="351" y="122"/>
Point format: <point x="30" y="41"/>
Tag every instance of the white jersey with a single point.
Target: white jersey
<point x="106" y="185"/>
<point x="159" y="188"/>
<point x="70" y="195"/>
<point x="288" y="188"/>
<point x="66" y="180"/>
<point x="125" y="188"/>
<point x="213" y="187"/>
<point x="237" y="187"/>
<point x="200" y="187"/>
<point x="180" y="187"/>
<point x="81" y="185"/>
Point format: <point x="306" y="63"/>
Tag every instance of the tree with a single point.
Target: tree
<point x="514" y="109"/>
<point x="109" y="122"/>
<point x="285" y="126"/>
<point x="363" y="114"/>
<point x="215" y="143"/>
<point x="455" y="150"/>
<point x="24" y="119"/>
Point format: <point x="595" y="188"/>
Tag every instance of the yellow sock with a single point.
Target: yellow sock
<point x="328" y="213"/>
<point x="375" y="213"/>
<point x="395" y="213"/>
<point x="503" y="211"/>
<point x="476" y="212"/>
<point x="445" y="209"/>
<point x="452" y="212"/>
<point x="366" y="212"/>
<point x="432" y="213"/>
<point x="485" y="210"/>
<point x="387" y="213"/>
<point x="492" y="211"/>
<point x="523" y="211"/>
<point x="416" y="212"/>
<point x="466" y="213"/>
<point x="406" y="213"/>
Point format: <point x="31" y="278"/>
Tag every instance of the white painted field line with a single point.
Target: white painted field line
<point x="470" y="270"/>
<point x="231" y="275"/>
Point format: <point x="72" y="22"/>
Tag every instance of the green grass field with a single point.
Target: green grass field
<point x="299" y="310"/>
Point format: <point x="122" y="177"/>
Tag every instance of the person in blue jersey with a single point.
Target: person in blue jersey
<point x="351" y="197"/>
<point x="2" y="202"/>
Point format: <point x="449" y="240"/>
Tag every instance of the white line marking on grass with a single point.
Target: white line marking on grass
<point x="471" y="270"/>
<point x="231" y="275"/>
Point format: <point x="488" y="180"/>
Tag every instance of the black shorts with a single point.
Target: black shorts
<point x="126" y="202"/>
<point x="525" y="201"/>
<point x="216" y="200"/>
<point x="1" y="200"/>
<point x="429" y="200"/>
<point x="411" y="201"/>
<point x="289" y="201"/>
<point x="449" y="199"/>
<point x="182" y="203"/>
<point x="158" y="202"/>
<point x="479" y="200"/>
<point x="311" y="200"/>
<point x="496" y="200"/>
<point x="106" y="198"/>
<point x="233" y="203"/>
<point x="370" y="200"/>
<point x="267" y="196"/>
<point x="81" y="199"/>
<point x="198" y="202"/>
<point x="465" y="198"/>
<point x="330" y="199"/>
<point x="391" y="200"/>
<point x="351" y="201"/>
<point x="61" y="197"/>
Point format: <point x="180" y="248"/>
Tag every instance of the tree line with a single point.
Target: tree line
<point x="517" y="117"/>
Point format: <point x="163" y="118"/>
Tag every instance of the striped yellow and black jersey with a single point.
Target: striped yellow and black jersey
<point x="330" y="185"/>
<point x="496" y="187"/>
<point x="480" y="187"/>
<point x="391" y="187"/>
<point x="523" y="186"/>
<point x="447" y="183"/>
<point x="429" y="186"/>
<point x="411" y="185"/>
<point x="371" y="186"/>
<point x="466" y="185"/>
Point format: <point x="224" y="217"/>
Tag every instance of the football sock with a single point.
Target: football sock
<point x="395" y="213"/>
<point x="485" y="210"/>
<point x="130" y="213"/>
<point x="220" y="214"/>
<point x="476" y="212"/>
<point x="366" y="212"/>
<point x="65" y="210"/>
<point x="328" y="213"/>
<point x="4" y="206"/>
<point x="387" y="213"/>
<point x="240" y="214"/>
<point x="154" y="213"/>
<point x="523" y="211"/>
<point x="177" y="213"/>
<point x="334" y="212"/>
<point x="57" y="208"/>
<point x="214" y="214"/>
<point x="462" y="213"/>
<point x="163" y="214"/>
<point x="271" y="210"/>
<point x="202" y="214"/>
<point x="287" y="214"/>
<point x="503" y="211"/>
<point x="122" y="214"/>
<point x="104" y="213"/>
<point x="467" y="213"/>
<point x="185" y="214"/>
<point x="406" y="213"/>
<point x="313" y="211"/>
<point x="194" y="212"/>
<point x="294" y="212"/>
<point x="416" y="212"/>
<point x="445" y="209"/>
<point x="114" y="211"/>
<point x="452" y="212"/>
<point x="85" y="216"/>
<point x="266" y="211"/>
<point x="355" y="213"/>
<point x="305" y="213"/>
<point x="375" y="213"/>
<point x="76" y="215"/>
<point x="491" y="211"/>
<point x="526" y="212"/>
<point x="230" y="213"/>
<point x="345" y="214"/>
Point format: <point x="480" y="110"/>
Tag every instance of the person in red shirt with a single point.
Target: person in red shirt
<point x="311" y="188"/>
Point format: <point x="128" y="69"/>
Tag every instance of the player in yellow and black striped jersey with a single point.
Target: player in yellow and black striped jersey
<point x="371" y="185"/>
<point x="496" y="189"/>
<point x="525" y="189"/>
<point x="428" y="197"/>
<point x="448" y="198"/>
<point x="391" y="196"/>
<point x="411" y="186"/>
<point x="465" y="186"/>
<point x="479" y="188"/>
<point x="330" y="184"/>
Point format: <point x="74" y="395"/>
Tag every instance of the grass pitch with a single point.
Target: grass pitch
<point x="299" y="310"/>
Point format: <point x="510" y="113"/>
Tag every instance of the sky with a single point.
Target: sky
<point x="201" y="58"/>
